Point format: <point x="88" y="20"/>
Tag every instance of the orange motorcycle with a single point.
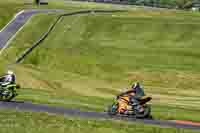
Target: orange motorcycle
<point x="122" y="106"/>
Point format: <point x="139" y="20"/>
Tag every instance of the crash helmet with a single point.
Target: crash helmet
<point x="135" y="85"/>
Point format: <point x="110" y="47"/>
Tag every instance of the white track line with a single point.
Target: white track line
<point x="9" y="41"/>
<point x="12" y="20"/>
<point x="7" y="44"/>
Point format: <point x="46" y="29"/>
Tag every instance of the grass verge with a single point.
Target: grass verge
<point x="23" y="122"/>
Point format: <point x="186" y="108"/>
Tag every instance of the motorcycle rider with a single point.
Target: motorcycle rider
<point x="135" y="94"/>
<point x="8" y="78"/>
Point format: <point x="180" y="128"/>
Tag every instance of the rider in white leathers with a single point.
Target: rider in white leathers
<point x="8" y="78"/>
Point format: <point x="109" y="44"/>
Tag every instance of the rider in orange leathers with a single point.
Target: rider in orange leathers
<point x="131" y="97"/>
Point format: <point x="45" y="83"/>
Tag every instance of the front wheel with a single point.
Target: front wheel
<point x="145" y="114"/>
<point x="112" y="110"/>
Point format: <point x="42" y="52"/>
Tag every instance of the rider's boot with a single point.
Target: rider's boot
<point x="136" y="106"/>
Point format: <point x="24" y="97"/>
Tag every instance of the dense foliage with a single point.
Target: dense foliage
<point x="182" y="4"/>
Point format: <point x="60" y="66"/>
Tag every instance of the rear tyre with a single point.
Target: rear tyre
<point x="150" y="117"/>
<point x="8" y="99"/>
<point x="8" y="96"/>
<point x="145" y="114"/>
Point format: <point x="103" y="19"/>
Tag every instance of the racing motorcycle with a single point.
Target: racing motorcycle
<point x="8" y="92"/>
<point x="123" y="107"/>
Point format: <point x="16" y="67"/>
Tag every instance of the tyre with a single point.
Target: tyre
<point x="112" y="110"/>
<point x="9" y="96"/>
<point x="145" y="114"/>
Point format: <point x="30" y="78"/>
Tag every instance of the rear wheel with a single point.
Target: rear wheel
<point x="145" y="114"/>
<point x="8" y="95"/>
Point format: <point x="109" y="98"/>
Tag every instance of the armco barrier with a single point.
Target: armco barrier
<point x="42" y="38"/>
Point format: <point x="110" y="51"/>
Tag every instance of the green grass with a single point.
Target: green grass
<point x="10" y="7"/>
<point x="77" y="101"/>
<point x="88" y="59"/>
<point x="23" y="122"/>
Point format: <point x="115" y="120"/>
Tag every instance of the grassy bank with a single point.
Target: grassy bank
<point x="88" y="59"/>
<point x="8" y="9"/>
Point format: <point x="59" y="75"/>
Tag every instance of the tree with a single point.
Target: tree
<point x="37" y="2"/>
<point x="132" y="1"/>
<point x="167" y="3"/>
<point x="183" y="3"/>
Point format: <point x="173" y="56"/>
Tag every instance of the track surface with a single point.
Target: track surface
<point x="28" y="106"/>
<point x="15" y="24"/>
<point x="10" y="30"/>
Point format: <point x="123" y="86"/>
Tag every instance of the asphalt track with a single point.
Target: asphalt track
<point x="11" y="29"/>
<point x="17" y="22"/>
<point x="28" y="106"/>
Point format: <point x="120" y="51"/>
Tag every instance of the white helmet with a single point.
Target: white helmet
<point x="10" y="72"/>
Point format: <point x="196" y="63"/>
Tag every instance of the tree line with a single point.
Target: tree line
<point x="181" y="4"/>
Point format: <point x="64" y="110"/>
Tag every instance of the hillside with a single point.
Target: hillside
<point x="88" y="59"/>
